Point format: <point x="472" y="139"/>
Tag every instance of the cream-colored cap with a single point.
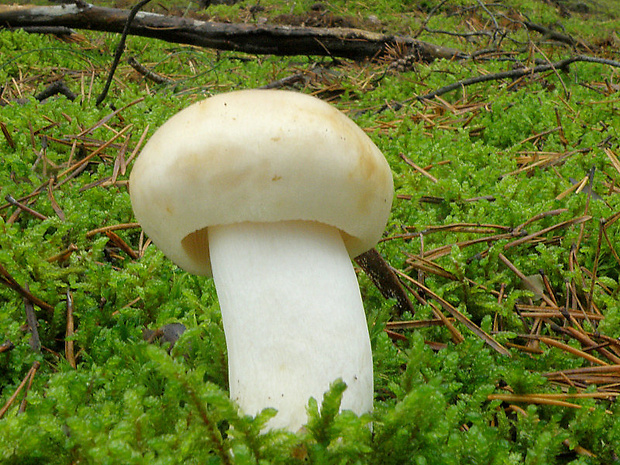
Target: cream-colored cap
<point x="258" y="156"/>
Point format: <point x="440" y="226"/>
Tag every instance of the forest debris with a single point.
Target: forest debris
<point x="32" y="372"/>
<point x="147" y="73"/>
<point x="571" y="350"/>
<point x="9" y="281"/>
<point x="563" y="224"/>
<point x="455" y="334"/>
<point x="56" y="88"/>
<point x="576" y="187"/>
<point x="415" y="324"/>
<point x="539" y="217"/>
<point x="428" y="266"/>
<point x="24" y="208"/>
<point x="52" y="199"/>
<point x="545" y="311"/>
<point x="113" y="227"/>
<point x="544" y="159"/>
<point x="120" y="48"/>
<point x="7" y="135"/>
<point x="27" y="379"/>
<point x="534" y="284"/>
<point x="69" y="352"/>
<point x="6" y="346"/>
<point x="544" y="399"/>
<point x="550" y="33"/>
<point x="248" y="38"/>
<point x="477" y="228"/>
<point x="417" y="168"/>
<point x="64" y="255"/>
<point x="573" y="372"/>
<point x="82" y="163"/>
<point x="382" y="276"/>
<point x="286" y="81"/>
<point x="588" y="344"/>
<point x="31" y="318"/>
<point x="613" y="158"/>
<point x="167" y="334"/>
<point x="446" y="249"/>
<point x="107" y="118"/>
<point x="121" y="244"/>
<point x="458" y="315"/>
<point x="524" y="279"/>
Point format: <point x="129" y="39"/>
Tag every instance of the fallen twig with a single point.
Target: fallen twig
<point x="23" y="207"/>
<point x="382" y="276"/>
<point x="120" y="49"/>
<point x="113" y="227"/>
<point x="28" y="379"/>
<point x="8" y="280"/>
<point x="458" y="316"/>
<point x="147" y="73"/>
<point x="563" y="224"/>
<point x="31" y="318"/>
<point x="517" y="73"/>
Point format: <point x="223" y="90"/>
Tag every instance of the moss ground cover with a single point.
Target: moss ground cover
<point x="504" y="232"/>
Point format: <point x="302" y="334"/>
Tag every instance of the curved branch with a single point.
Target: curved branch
<point x="517" y="73"/>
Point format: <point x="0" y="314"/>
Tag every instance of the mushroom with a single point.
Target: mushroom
<point x="272" y="192"/>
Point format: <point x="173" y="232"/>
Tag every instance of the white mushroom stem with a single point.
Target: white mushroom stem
<point x="293" y="317"/>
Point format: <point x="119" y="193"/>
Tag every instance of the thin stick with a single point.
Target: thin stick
<point x="23" y="207"/>
<point x="574" y="221"/>
<point x="93" y="154"/>
<point x="8" y="280"/>
<point x="121" y="244"/>
<point x="601" y="227"/>
<point x="456" y="335"/>
<point x="120" y="49"/>
<point x="382" y="276"/>
<point x="571" y="350"/>
<point x="35" y="367"/>
<point x="517" y="73"/>
<point x="147" y="73"/>
<point x="113" y="227"/>
<point x="32" y="372"/>
<point x="64" y="255"/>
<point x="604" y="369"/>
<point x="459" y="316"/>
<point x="31" y="318"/>
<point x="521" y="276"/>
<point x="418" y="168"/>
<point x="69" y="353"/>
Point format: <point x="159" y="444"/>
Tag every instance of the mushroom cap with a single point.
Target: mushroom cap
<point x="258" y="156"/>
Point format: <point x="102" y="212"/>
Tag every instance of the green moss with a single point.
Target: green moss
<point x="128" y="401"/>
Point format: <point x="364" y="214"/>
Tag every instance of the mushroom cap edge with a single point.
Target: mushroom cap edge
<point x="258" y="156"/>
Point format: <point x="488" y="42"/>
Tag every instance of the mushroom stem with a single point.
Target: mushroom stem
<point x="293" y="317"/>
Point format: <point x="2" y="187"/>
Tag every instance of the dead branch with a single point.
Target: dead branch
<point x="147" y="73"/>
<point x="518" y="73"/>
<point x="9" y="281"/>
<point x="382" y="276"/>
<point x="248" y="38"/>
<point x="120" y="49"/>
<point x="550" y="33"/>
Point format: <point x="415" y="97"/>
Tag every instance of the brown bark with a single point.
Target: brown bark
<point x="248" y="38"/>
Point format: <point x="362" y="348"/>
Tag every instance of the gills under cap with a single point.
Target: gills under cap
<point x="258" y="156"/>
